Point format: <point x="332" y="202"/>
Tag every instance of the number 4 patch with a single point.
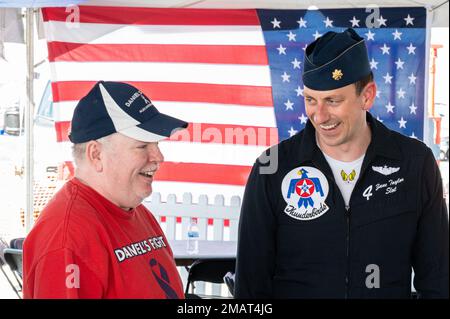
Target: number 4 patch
<point x="368" y="192"/>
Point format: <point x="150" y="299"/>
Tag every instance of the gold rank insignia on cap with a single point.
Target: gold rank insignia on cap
<point x="337" y="74"/>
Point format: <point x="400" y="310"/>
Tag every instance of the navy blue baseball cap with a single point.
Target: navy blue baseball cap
<point x="335" y="60"/>
<point x="112" y="107"/>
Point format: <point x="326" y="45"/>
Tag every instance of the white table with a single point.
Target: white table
<point x="207" y="249"/>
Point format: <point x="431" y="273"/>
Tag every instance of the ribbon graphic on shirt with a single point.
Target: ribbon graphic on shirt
<point x="162" y="278"/>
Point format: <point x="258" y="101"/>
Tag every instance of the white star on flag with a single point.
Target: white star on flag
<point x="413" y="136"/>
<point x="413" y="109"/>
<point x="276" y="23"/>
<point x="409" y="20"/>
<point x="285" y="77"/>
<point x="399" y="63"/>
<point x="299" y="91"/>
<point x="292" y="132"/>
<point x="402" y="123"/>
<point x="411" y="49"/>
<point x="397" y="35"/>
<point x="373" y="64"/>
<point x="378" y="118"/>
<point x="412" y="79"/>
<point x="303" y="119"/>
<point x="385" y="49"/>
<point x="388" y="78"/>
<point x="370" y="35"/>
<point x="302" y="23"/>
<point x="355" y="22"/>
<point x="328" y="23"/>
<point x="401" y="93"/>
<point x="381" y="21"/>
<point x="317" y="35"/>
<point x="291" y="36"/>
<point x="296" y="63"/>
<point x="289" y="105"/>
<point x="390" y="107"/>
<point x="281" y="50"/>
<point x="304" y="48"/>
<point x="378" y="94"/>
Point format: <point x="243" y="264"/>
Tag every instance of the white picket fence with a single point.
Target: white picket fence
<point x="171" y="209"/>
<point x="203" y="210"/>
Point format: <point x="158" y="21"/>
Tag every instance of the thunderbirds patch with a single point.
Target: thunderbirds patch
<point x="305" y="189"/>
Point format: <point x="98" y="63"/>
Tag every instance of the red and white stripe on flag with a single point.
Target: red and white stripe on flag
<point x="208" y="67"/>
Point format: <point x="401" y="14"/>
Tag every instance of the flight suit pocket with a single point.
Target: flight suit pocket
<point x="392" y="207"/>
<point x="310" y="242"/>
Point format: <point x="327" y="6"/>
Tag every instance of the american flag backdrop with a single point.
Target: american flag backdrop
<point x="235" y="75"/>
<point x="396" y="44"/>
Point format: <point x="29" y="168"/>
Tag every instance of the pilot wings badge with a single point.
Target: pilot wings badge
<point x="348" y="177"/>
<point x="385" y="170"/>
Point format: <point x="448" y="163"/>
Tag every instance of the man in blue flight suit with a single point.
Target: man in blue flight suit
<point x="369" y="211"/>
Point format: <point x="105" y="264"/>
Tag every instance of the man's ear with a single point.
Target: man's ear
<point x="368" y="95"/>
<point x="93" y="155"/>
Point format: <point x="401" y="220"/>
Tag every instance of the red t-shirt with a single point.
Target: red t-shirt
<point x="84" y="246"/>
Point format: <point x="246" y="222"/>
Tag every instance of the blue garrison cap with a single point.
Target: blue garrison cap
<point x="335" y="60"/>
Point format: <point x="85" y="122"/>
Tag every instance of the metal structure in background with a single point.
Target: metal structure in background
<point x="29" y="121"/>
<point x="31" y="6"/>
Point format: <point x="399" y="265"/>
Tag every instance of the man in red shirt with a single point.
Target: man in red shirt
<point x="95" y="239"/>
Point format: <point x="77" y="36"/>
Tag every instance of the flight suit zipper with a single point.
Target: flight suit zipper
<point x="347" y="275"/>
<point x="348" y="210"/>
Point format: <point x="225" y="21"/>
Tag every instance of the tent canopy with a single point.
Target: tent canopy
<point x="439" y="8"/>
<point x="37" y="3"/>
